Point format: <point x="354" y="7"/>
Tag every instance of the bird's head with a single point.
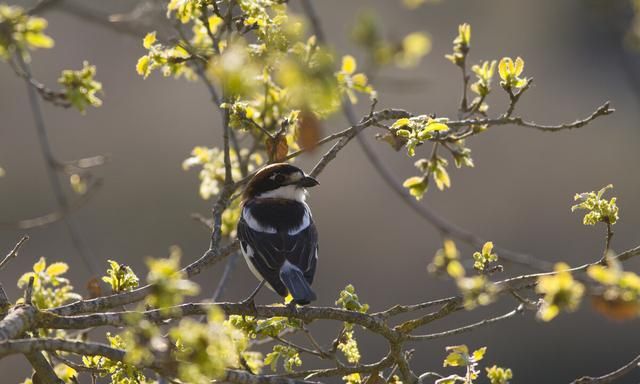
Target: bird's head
<point x="281" y="181"/>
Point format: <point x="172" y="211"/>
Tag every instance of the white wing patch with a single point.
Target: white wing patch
<point x="255" y="224"/>
<point x="306" y="220"/>
<point x="248" y="253"/>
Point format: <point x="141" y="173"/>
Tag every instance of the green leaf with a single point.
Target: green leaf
<point x="149" y="39"/>
<point x="413" y="181"/>
<point x="455" y="269"/>
<point x="57" y="269"/>
<point x="458" y="356"/>
<point x="441" y="177"/>
<point x="143" y="66"/>
<point x="349" y="64"/>
<point x="40" y="265"/>
<point x="503" y="68"/>
<point x="497" y="375"/>
<point x="436" y="126"/>
<point x="478" y="354"/>
<point x="519" y="66"/>
<point x="38" y="40"/>
<point x="417" y="186"/>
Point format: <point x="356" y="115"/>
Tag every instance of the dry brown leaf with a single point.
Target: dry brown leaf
<point x="94" y="288"/>
<point x="309" y="131"/>
<point x="277" y="148"/>
<point x="616" y="309"/>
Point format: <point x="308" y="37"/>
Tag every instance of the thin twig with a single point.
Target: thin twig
<point x="610" y="377"/>
<point x="50" y="166"/>
<point x="14" y="252"/>
<point x="76" y="366"/>
<point x="58" y="214"/>
<point x="607" y="243"/>
<point x="226" y="276"/>
<point x="515" y="97"/>
<point x="5" y="304"/>
<point x="299" y="347"/>
<point x="28" y="293"/>
<point x="467" y="328"/>
<point x="314" y="342"/>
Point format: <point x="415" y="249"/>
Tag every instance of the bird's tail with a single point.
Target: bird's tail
<point x="297" y="285"/>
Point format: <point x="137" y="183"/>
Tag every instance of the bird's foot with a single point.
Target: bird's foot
<point x="250" y="302"/>
<point x="293" y="308"/>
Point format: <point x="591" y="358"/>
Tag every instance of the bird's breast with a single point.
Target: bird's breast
<point x="277" y="215"/>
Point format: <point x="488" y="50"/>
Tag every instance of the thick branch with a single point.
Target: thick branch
<point x="307" y="314"/>
<point x="29" y="346"/>
<point x="43" y="369"/>
<point x="19" y="320"/>
<point x="210" y="258"/>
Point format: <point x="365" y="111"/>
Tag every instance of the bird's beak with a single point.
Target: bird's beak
<point x="308" y="182"/>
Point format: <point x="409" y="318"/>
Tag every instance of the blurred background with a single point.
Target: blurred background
<point x="518" y="195"/>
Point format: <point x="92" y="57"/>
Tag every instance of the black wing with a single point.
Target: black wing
<point x="269" y="251"/>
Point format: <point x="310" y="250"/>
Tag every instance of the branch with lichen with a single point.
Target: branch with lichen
<point x="278" y="101"/>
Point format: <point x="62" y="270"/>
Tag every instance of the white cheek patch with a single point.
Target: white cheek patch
<point x="255" y="224"/>
<point x="289" y="192"/>
<point x="306" y="220"/>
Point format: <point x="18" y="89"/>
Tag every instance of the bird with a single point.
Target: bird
<point x="278" y="237"/>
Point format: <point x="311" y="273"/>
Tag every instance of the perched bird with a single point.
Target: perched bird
<point x="277" y="235"/>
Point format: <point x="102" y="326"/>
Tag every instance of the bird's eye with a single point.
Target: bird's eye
<point x="279" y="178"/>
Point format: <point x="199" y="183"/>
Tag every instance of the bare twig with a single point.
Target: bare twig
<point x="13" y="252"/>
<point x="610" y="377"/>
<point x="603" y="110"/>
<point x="467" y="328"/>
<point x="205" y="221"/>
<point x="50" y="160"/>
<point x="515" y="97"/>
<point x="314" y="342"/>
<point x="299" y="347"/>
<point x="226" y="276"/>
<point x="5" y="304"/>
<point x="28" y="293"/>
<point x="41" y="6"/>
<point x="58" y="214"/>
<point x="607" y="242"/>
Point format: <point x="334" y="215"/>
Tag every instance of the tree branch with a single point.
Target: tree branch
<point x="50" y="166"/>
<point x="210" y="258"/>
<point x="14" y="252"/>
<point x="610" y="377"/>
<point x="42" y="368"/>
<point x="28" y="346"/>
<point x="467" y="328"/>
